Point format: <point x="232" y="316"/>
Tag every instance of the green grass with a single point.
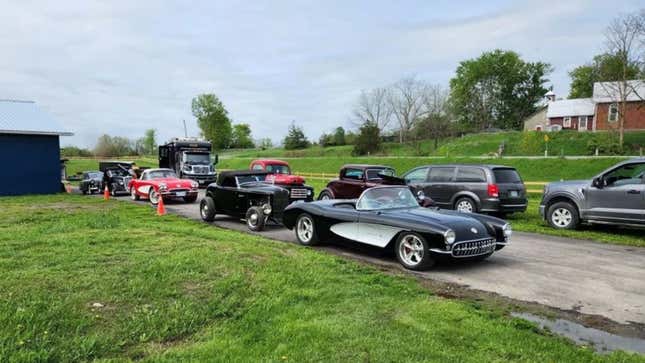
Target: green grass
<point x="178" y="290"/>
<point x="531" y="169"/>
<point x="568" y="143"/>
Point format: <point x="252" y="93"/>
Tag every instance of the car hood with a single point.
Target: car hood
<point x="173" y="182"/>
<point x="465" y="226"/>
<point x="286" y="179"/>
<point x="569" y="183"/>
<point x="263" y="188"/>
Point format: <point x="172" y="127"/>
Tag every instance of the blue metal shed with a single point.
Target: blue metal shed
<point x="29" y="149"/>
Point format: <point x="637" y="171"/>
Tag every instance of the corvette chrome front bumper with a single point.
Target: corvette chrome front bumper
<point x="465" y="249"/>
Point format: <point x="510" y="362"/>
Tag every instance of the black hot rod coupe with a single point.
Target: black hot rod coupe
<point x="245" y="194"/>
<point x="391" y="216"/>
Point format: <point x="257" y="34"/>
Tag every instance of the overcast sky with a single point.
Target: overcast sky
<point x="120" y="67"/>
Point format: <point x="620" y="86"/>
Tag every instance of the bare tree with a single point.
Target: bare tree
<point x="373" y="106"/>
<point x="406" y="99"/>
<point x="625" y="39"/>
<point x="436" y="121"/>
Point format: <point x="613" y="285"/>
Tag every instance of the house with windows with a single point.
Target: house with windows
<point x="573" y="114"/>
<point x="607" y="98"/>
<point x="598" y="113"/>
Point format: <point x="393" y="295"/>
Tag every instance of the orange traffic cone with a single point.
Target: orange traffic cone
<point x="106" y="193"/>
<point x="161" y="209"/>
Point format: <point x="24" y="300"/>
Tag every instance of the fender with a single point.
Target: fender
<point x="328" y="190"/>
<point x="576" y="199"/>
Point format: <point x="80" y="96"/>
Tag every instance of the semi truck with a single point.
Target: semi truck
<point x="190" y="158"/>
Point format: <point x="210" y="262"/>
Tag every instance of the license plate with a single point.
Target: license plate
<point x="181" y="194"/>
<point x="514" y="193"/>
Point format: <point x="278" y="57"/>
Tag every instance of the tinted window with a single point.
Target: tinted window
<point x="229" y="182"/>
<point x="506" y="176"/>
<point x="441" y="175"/>
<point x="278" y="169"/>
<point x="354" y="174"/>
<point x="417" y="175"/>
<point x="374" y="173"/>
<point x="471" y="175"/>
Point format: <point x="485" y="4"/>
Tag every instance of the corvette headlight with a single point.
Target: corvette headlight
<point x="508" y="231"/>
<point x="266" y="209"/>
<point x="195" y="185"/>
<point x="163" y="186"/>
<point x="449" y="236"/>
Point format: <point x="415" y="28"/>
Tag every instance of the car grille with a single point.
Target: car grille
<point x="473" y="248"/>
<point x="298" y="193"/>
<point x="201" y="169"/>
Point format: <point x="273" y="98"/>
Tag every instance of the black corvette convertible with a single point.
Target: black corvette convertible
<point x="388" y="215"/>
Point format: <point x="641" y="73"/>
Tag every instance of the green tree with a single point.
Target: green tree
<point x="241" y="138"/>
<point x="339" y="136"/>
<point x="295" y="138"/>
<point x="212" y="119"/>
<point x="497" y="89"/>
<point x="605" y="67"/>
<point x="368" y="139"/>
<point x="326" y="140"/>
<point x="150" y="141"/>
<point x="114" y="146"/>
<point x="266" y="143"/>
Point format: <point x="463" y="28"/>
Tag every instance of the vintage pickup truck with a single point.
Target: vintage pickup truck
<point x="279" y="173"/>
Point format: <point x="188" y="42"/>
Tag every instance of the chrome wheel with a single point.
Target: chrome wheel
<point x="204" y="210"/>
<point x="305" y="229"/>
<point x="465" y="206"/>
<point x="153" y="196"/>
<point x="253" y="219"/>
<point x="561" y="217"/>
<point x="411" y="250"/>
<point x="325" y="196"/>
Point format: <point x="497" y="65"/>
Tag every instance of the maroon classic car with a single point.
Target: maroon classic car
<point x="354" y="179"/>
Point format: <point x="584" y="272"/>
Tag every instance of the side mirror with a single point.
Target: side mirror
<point x="216" y="160"/>
<point x="598" y="182"/>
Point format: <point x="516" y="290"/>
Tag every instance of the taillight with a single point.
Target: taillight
<point x="493" y="190"/>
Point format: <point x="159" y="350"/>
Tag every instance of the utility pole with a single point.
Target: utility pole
<point x="185" y="129"/>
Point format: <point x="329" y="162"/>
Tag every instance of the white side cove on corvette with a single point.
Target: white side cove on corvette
<point x="144" y="189"/>
<point x="368" y="233"/>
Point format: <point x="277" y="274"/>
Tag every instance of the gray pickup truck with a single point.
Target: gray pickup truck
<point x="616" y="196"/>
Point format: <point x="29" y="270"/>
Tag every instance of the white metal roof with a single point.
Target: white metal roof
<point x="572" y="107"/>
<point x="604" y="92"/>
<point x="25" y="117"/>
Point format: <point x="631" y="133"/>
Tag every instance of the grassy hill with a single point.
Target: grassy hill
<point x="485" y="144"/>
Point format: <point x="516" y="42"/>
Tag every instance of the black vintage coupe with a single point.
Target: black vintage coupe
<point x="247" y="195"/>
<point x="91" y="181"/>
<point x="391" y="216"/>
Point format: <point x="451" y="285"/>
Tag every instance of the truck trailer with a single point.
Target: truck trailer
<point x="189" y="158"/>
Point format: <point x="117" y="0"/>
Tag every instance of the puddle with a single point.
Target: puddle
<point x="602" y="341"/>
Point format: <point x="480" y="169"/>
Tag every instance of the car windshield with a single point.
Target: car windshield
<point x="387" y="198"/>
<point x="278" y="169"/>
<point x="96" y="175"/>
<point x="197" y="158"/>
<point x="159" y="174"/>
<point x="245" y="179"/>
<point x="373" y="174"/>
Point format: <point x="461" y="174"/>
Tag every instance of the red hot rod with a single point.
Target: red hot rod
<point x="162" y="183"/>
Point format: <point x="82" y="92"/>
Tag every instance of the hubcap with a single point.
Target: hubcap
<point x="154" y="197"/>
<point x="325" y="197"/>
<point x="464" y="206"/>
<point x="411" y="250"/>
<point x="204" y="210"/>
<point x="253" y="219"/>
<point x="305" y="229"/>
<point x="561" y="217"/>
